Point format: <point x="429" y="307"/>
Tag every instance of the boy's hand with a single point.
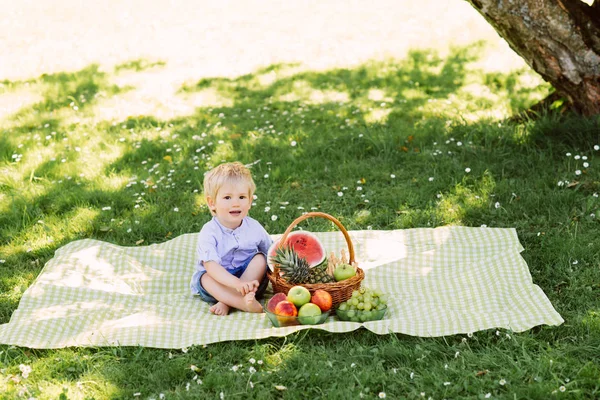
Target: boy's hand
<point x="246" y="287"/>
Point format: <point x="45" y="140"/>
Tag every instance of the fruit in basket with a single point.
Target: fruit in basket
<point x="278" y="297"/>
<point x="343" y="271"/>
<point x="309" y="314"/>
<point x="299" y="295"/>
<point x="318" y="274"/>
<point x="286" y="308"/>
<point x="322" y="299"/>
<point x="305" y="244"/>
<point x="296" y="269"/>
<point x="293" y="268"/>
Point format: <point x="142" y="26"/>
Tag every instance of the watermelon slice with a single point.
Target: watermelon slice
<point x="306" y="244"/>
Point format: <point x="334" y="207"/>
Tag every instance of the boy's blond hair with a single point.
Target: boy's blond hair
<point x="227" y="173"/>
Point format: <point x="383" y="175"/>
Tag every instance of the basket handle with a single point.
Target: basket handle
<point x="321" y="215"/>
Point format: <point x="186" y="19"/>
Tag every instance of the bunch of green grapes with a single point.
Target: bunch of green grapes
<point x="364" y="305"/>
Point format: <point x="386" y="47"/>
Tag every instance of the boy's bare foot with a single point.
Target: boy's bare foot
<point x="252" y="305"/>
<point x="219" y="309"/>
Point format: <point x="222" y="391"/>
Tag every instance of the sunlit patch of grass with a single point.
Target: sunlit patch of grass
<point x="71" y="375"/>
<point x="11" y="101"/>
<point x="377" y="116"/>
<point x="208" y="97"/>
<point x="452" y="207"/>
<point x="279" y="357"/>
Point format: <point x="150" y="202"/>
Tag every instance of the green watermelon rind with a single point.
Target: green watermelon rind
<point x="312" y="243"/>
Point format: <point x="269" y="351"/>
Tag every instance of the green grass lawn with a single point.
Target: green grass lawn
<point x="422" y="141"/>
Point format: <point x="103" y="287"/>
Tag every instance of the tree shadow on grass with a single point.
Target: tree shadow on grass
<point x="423" y="72"/>
<point x="79" y="89"/>
<point x="328" y="98"/>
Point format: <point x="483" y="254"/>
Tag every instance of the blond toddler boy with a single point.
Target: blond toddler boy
<point x="231" y="263"/>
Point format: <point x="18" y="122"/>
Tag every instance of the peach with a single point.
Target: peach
<point x="323" y="299"/>
<point x="286" y="308"/>
<point x="276" y="299"/>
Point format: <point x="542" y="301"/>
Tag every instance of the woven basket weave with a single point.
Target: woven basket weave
<point x="339" y="291"/>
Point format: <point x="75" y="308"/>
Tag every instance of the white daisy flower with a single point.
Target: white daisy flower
<point x="25" y="370"/>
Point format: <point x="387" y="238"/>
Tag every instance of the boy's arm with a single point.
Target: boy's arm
<point x="265" y="241"/>
<point x="220" y="274"/>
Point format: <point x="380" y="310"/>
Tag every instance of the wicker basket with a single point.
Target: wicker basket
<point x="339" y="291"/>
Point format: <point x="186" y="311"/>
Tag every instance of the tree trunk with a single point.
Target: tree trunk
<point x="559" y="39"/>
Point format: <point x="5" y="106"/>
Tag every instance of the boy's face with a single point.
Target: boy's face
<point x="231" y="204"/>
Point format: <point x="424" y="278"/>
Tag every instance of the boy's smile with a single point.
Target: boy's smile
<point x="231" y="204"/>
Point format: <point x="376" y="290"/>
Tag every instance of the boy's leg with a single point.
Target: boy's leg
<point x="228" y="297"/>
<point x="256" y="269"/>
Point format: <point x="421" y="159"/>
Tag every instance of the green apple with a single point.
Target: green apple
<point x="309" y="314"/>
<point x="299" y="295"/>
<point x="343" y="271"/>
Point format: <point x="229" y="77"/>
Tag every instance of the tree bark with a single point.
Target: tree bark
<point x="559" y="39"/>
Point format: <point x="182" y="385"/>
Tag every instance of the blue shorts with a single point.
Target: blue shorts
<point x="207" y="297"/>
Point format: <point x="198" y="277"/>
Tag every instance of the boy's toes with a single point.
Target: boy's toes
<point x="252" y="305"/>
<point x="219" y="309"/>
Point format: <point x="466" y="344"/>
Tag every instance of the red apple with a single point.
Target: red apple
<point x="279" y="297"/>
<point x="323" y="299"/>
<point x="286" y="308"/>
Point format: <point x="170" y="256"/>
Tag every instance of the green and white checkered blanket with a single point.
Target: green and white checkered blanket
<point x="440" y="281"/>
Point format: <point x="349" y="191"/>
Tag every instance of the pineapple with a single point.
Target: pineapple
<point x="318" y="274"/>
<point x="293" y="268"/>
<point x="296" y="270"/>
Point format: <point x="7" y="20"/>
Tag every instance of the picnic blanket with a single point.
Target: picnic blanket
<point x="441" y="281"/>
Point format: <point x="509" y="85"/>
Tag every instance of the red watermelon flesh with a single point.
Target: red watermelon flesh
<point x="306" y="244"/>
